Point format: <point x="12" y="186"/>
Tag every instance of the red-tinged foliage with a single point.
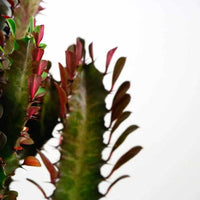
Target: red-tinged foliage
<point x="120" y="119"/>
<point x="5" y="16"/>
<point x="79" y="51"/>
<point x="18" y="148"/>
<point x="1" y="39"/>
<point x="39" y="187"/>
<point x="116" y="181"/>
<point x="12" y="3"/>
<point x="117" y="70"/>
<point x="118" y="109"/>
<point x="121" y="138"/>
<point x="38" y="35"/>
<point x="71" y="63"/>
<point x="32" y="111"/>
<point x="32" y="161"/>
<point x="34" y="82"/>
<point x="63" y="100"/>
<point x="63" y="75"/>
<point x="50" y="167"/>
<point x="37" y="54"/>
<point x="109" y="57"/>
<point x="39" y="67"/>
<point x="91" y="52"/>
<point x="125" y="158"/>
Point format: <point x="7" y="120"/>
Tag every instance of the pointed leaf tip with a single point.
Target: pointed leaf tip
<point x="50" y="167"/>
<point x="125" y="158"/>
<point x="122" y="138"/>
<point x="109" y="58"/>
<point x="116" y="181"/>
<point x="63" y="100"/>
<point x="117" y="70"/>
<point x="91" y="52"/>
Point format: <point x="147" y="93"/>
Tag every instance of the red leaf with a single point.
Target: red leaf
<point x="91" y="51"/>
<point x="38" y="36"/>
<point x="63" y="75"/>
<point x="37" y="54"/>
<point x="39" y="187"/>
<point x="122" y="138"/>
<point x="117" y="70"/>
<point x="121" y="118"/>
<point x="79" y="51"/>
<point x="32" y="161"/>
<point x="119" y="107"/>
<point x="109" y="57"/>
<point x="11" y="2"/>
<point x="63" y="100"/>
<point x="34" y="82"/>
<point x="71" y="63"/>
<point x="39" y="67"/>
<point x="50" y="167"/>
<point x="33" y="110"/>
<point x="1" y="39"/>
<point x="125" y="158"/>
<point x="116" y="181"/>
<point x="5" y="16"/>
<point x="120" y="92"/>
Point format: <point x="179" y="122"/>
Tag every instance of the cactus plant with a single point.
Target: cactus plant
<point x="32" y="102"/>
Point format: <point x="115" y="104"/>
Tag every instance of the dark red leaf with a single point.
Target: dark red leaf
<point x="38" y="186"/>
<point x="122" y="137"/>
<point x="37" y="54"/>
<point x="71" y="63"/>
<point x="116" y="181"/>
<point x="109" y="57"/>
<point x="1" y="39"/>
<point x="12" y="3"/>
<point x="79" y="51"/>
<point x="32" y="110"/>
<point x="32" y="161"/>
<point x="39" y="67"/>
<point x="63" y="100"/>
<point x="122" y="117"/>
<point x="125" y="158"/>
<point x="38" y="35"/>
<point x="118" y="108"/>
<point x="91" y="51"/>
<point x="63" y="75"/>
<point x="5" y="16"/>
<point x="117" y="70"/>
<point x="120" y="92"/>
<point x="50" y="167"/>
<point x="34" y="82"/>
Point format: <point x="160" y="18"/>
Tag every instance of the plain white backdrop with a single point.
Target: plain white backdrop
<point x="161" y="39"/>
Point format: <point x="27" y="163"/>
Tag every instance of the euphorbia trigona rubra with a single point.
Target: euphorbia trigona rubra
<point x="32" y="102"/>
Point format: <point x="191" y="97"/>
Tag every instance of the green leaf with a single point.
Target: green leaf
<point x="44" y="75"/>
<point x="42" y="45"/>
<point x="40" y="92"/>
<point x="12" y="26"/>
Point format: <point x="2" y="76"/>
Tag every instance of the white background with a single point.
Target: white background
<point x="161" y="39"/>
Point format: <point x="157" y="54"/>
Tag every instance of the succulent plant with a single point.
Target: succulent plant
<point x="32" y="103"/>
